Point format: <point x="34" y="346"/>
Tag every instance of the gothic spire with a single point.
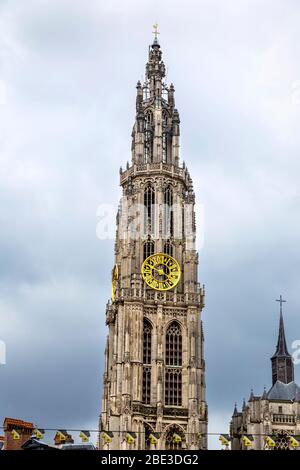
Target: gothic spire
<point x="282" y="364"/>
<point x="156" y="132"/>
<point x="244" y="405"/>
<point x="281" y="349"/>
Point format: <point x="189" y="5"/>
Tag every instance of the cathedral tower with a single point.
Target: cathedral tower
<point x="154" y="378"/>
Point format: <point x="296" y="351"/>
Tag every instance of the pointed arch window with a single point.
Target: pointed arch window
<point x="148" y="249"/>
<point x="165" y="147"/>
<point x="165" y="137"/>
<point x="173" y="371"/>
<point x="169" y="216"/>
<point x="149" y="206"/>
<point x="168" y="248"/>
<point x="148" y="137"/>
<point x="147" y="344"/>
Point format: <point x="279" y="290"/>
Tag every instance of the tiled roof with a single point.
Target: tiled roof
<point x="17" y="423"/>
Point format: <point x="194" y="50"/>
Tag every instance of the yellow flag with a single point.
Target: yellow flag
<point x="294" y="442"/>
<point x="84" y="435"/>
<point x="15" y="435"/>
<point x="224" y="440"/>
<point x="130" y="437"/>
<point x="38" y="433"/>
<point x="107" y="436"/>
<point x="153" y="439"/>
<point x="270" y="442"/>
<point x="176" y="438"/>
<point x="246" y="441"/>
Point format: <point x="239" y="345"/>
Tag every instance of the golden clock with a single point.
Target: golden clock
<point x="114" y="280"/>
<point x="161" y="272"/>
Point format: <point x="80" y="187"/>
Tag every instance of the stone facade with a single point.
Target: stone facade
<point x="159" y="403"/>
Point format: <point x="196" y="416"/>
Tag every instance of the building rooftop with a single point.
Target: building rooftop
<point x="17" y="423"/>
<point x="282" y="391"/>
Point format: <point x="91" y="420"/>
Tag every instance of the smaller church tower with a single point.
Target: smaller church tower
<point x="271" y="421"/>
<point x="282" y="363"/>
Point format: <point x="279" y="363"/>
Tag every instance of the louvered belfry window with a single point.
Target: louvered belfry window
<point x="147" y="341"/>
<point x="173" y="371"/>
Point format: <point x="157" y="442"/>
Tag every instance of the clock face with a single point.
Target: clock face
<point x="115" y="276"/>
<point x="161" y="271"/>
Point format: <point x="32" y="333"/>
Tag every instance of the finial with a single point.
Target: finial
<point x="264" y="395"/>
<point x="244" y="405"/>
<point x="155" y="32"/>
<point x="235" y="411"/>
<point x="251" y="395"/>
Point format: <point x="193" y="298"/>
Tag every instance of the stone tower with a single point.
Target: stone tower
<point x="154" y="378"/>
<point x="282" y="362"/>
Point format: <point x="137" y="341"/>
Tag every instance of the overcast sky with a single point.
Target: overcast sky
<point x="68" y="71"/>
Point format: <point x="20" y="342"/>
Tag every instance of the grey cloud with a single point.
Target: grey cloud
<point x="70" y="70"/>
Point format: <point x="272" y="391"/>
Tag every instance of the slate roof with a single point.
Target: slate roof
<point x="282" y="391"/>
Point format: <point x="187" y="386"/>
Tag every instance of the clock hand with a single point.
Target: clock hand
<point x="160" y="271"/>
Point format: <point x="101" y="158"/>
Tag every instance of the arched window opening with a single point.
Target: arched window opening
<point x="165" y="120"/>
<point x="148" y="137"/>
<point x="173" y="371"/>
<point x="147" y="342"/>
<point x="147" y="332"/>
<point x="165" y="147"/>
<point x="169" y="216"/>
<point x="174" y="345"/>
<point x="165" y="137"/>
<point x="148" y="249"/>
<point x="149" y="203"/>
<point x="168" y="248"/>
<point x="170" y="443"/>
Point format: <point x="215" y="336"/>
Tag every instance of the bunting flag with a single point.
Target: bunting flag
<point x="15" y="435"/>
<point x="107" y="436"/>
<point x="130" y="437"/>
<point x="224" y="439"/>
<point x="61" y="435"/>
<point x="247" y="440"/>
<point x="294" y="442"/>
<point x="85" y="436"/>
<point x="153" y="438"/>
<point x="270" y="442"/>
<point x="176" y="438"/>
<point x="38" y="433"/>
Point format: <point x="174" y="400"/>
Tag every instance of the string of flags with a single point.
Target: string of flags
<point x="248" y="440"/>
<point x="62" y="436"/>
